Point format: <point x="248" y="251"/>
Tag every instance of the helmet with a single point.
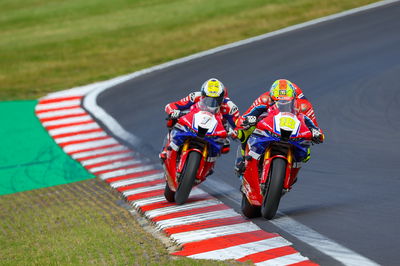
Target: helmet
<point x="213" y="88"/>
<point x="282" y="89"/>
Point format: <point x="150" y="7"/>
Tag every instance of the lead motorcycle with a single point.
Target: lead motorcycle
<point x="193" y="145"/>
<point x="281" y="139"/>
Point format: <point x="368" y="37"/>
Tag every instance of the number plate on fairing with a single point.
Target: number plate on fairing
<point x="206" y="120"/>
<point x="287" y="122"/>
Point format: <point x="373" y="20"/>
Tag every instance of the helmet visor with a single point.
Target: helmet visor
<point x="209" y="104"/>
<point x="285" y="106"/>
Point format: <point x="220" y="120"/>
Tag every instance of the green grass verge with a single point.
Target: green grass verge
<point x="77" y="224"/>
<point x="52" y="45"/>
<point x="29" y="158"/>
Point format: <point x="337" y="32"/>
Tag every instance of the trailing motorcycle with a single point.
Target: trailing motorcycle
<point x="193" y="145"/>
<point x="281" y="139"/>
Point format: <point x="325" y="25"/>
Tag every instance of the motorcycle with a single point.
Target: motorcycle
<point x="281" y="139"/>
<point x="193" y="145"/>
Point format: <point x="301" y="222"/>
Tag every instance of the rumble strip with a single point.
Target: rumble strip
<point x="204" y="227"/>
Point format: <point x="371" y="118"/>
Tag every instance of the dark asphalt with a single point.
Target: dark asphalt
<point x="350" y="70"/>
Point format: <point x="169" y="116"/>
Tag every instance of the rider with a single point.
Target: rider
<point x="280" y="89"/>
<point x="211" y="88"/>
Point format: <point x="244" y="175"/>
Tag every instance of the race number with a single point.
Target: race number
<point x="287" y="122"/>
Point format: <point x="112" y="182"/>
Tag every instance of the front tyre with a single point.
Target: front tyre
<point x="188" y="177"/>
<point x="169" y="194"/>
<point x="274" y="189"/>
<point x="248" y="210"/>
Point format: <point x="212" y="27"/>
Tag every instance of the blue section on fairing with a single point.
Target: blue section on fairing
<point x="179" y="137"/>
<point x="259" y="143"/>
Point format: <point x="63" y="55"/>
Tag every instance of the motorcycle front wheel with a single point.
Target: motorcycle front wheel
<point x="274" y="189"/>
<point x="188" y="177"/>
<point x="248" y="210"/>
<point x="169" y="194"/>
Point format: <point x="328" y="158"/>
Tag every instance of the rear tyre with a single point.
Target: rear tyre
<point x="248" y="210"/>
<point x="274" y="189"/>
<point x="187" y="178"/>
<point x="169" y="194"/>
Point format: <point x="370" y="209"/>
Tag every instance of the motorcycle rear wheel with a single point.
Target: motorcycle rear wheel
<point x="248" y="210"/>
<point x="187" y="178"/>
<point x="169" y="194"/>
<point x="274" y="189"/>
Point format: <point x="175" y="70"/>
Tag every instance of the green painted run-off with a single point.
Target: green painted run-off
<point x="29" y="157"/>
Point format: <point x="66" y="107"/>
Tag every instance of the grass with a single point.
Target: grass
<point x="52" y="45"/>
<point x="81" y="223"/>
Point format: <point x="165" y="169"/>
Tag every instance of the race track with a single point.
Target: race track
<point x="350" y="70"/>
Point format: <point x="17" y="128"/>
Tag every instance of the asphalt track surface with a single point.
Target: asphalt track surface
<point x="350" y="70"/>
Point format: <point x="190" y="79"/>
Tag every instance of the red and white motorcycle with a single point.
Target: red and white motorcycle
<point x="280" y="139"/>
<point x="193" y="145"/>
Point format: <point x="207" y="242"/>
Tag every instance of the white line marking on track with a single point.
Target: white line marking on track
<point x="80" y="155"/>
<point x="64" y="121"/>
<point x="73" y="129"/>
<point x="115" y="165"/>
<point x="89" y="145"/>
<point x="283" y="260"/>
<point x="202" y="234"/>
<point x="143" y="189"/>
<point x="61" y="104"/>
<point x="197" y="218"/>
<point x="106" y="158"/>
<point x="136" y="180"/>
<point x="80" y="137"/>
<point x="122" y="172"/>
<point x="66" y="112"/>
<point x="178" y="208"/>
<point x="240" y="251"/>
<point x="147" y="201"/>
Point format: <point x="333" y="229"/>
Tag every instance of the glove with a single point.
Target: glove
<point x="249" y="121"/>
<point x="175" y="114"/>
<point x="317" y="136"/>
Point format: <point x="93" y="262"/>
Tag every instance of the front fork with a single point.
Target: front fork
<point x="204" y="166"/>
<point x="266" y="170"/>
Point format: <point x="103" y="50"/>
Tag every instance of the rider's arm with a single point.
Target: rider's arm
<point x="309" y="123"/>
<point x="184" y="103"/>
<point x="263" y="100"/>
<point x="306" y="108"/>
<point x="230" y="112"/>
<point x="257" y="110"/>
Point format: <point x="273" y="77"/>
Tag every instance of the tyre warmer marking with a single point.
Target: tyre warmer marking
<point x="204" y="227"/>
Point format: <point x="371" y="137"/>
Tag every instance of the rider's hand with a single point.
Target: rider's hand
<point x="232" y="133"/>
<point x="249" y="121"/>
<point x="175" y="114"/>
<point x="317" y="136"/>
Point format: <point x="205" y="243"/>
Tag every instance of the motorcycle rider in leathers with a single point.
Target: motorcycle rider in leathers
<point x="281" y="88"/>
<point x="210" y="88"/>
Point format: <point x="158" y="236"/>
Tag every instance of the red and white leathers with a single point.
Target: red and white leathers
<point x="264" y="101"/>
<point x="228" y="109"/>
